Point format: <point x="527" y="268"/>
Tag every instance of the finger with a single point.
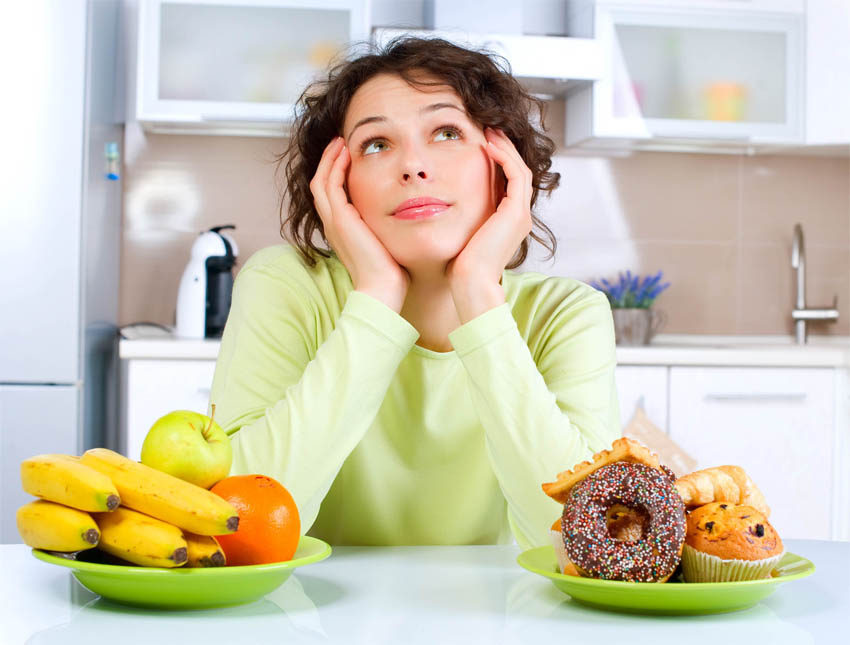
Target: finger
<point x="329" y="155"/>
<point x="498" y="137"/>
<point x="320" y="179"/>
<point x="523" y="175"/>
<point x="518" y="193"/>
<point x="518" y="182"/>
<point x="501" y="140"/>
<point x="334" y="186"/>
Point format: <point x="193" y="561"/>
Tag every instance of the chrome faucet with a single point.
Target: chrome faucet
<point x="800" y="314"/>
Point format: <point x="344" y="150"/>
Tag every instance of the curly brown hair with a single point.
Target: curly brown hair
<point x="491" y="96"/>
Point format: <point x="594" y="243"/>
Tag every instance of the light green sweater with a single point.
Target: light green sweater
<point x="383" y="442"/>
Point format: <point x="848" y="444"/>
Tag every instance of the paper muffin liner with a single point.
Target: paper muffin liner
<point x="560" y="549"/>
<point x="703" y="567"/>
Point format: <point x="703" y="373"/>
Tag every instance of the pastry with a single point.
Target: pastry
<point x="651" y="537"/>
<point x="727" y="542"/>
<point x="721" y="484"/>
<point x="623" y="449"/>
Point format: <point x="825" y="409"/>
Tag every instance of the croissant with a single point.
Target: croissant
<point x="721" y="484"/>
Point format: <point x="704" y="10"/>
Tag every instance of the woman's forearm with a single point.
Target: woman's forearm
<point x="537" y="425"/>
<point x="301" y="431"/>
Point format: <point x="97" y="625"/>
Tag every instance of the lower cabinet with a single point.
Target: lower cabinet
<point x="645" y="386"/>
<point x="776" y="423"/>
<point x="784" y="426"/>
<point x="155" y="387"/>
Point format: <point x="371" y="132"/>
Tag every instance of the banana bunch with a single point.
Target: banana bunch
<point x="122" y="507"/>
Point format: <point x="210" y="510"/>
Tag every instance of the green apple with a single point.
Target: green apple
<point x="189" y="445"/>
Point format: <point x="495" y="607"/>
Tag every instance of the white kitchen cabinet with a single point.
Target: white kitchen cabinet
<point x="776" y="423"/>
<point x="646" y="386"/>
<point x="827" y="62"/>
<point x="234" y="66"/>
<point x="719" y="76"/>
<point x="547" y="65"/>
<point x="153" y="388"/>
<point x="841" y="490"/>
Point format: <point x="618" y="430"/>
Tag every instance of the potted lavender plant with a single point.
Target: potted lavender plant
<point x="635" y="322"/>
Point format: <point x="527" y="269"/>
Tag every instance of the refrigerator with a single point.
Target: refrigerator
<point x="61" y="64"/>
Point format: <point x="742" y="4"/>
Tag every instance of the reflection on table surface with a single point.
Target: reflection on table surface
<point x="417" y="595"/>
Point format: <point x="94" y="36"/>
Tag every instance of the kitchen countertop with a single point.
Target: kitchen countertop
<point x="665" y="349"/>
<point x="755" y="350"/>
<point x="453" y="594"/>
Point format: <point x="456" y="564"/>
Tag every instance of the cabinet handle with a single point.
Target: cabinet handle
<point x="755" y="397"/>
<point x="225" y="118"/>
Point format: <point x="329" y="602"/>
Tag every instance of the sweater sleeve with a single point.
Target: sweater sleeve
<point x="541" y="415"/>
<point x="296" y="407"/>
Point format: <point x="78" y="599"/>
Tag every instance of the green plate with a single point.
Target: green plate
<point x="666" y="598"/>
<point x="195" y="588"/>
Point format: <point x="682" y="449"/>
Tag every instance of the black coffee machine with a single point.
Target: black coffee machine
<point x="203" y="299"/>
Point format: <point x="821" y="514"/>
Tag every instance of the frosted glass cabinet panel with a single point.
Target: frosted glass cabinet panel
<point x="676" y="72"/>
<point x="237" y="63"/>
<point x="705" y="74"/>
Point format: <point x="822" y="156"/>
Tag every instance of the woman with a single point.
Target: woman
<point x="406" y="386"/>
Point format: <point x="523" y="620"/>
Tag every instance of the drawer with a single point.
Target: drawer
<point x="776" y="423"/>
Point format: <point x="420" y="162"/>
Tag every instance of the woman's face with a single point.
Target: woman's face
<point x="408" y="143"/>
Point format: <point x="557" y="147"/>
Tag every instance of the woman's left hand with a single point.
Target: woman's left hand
<point x="478" y="267"/>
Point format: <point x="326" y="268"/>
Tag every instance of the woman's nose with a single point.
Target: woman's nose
<point x="419" y="173"/>
<point x="414" y="165"/>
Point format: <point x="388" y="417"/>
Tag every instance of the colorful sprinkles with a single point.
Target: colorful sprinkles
<point x="584" y="528"/>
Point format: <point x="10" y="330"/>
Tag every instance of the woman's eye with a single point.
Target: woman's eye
<point x="447" y="134"/>
<point x="371" y="147"/>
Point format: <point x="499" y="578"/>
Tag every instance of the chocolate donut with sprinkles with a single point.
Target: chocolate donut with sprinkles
<point x="649" y="497"/>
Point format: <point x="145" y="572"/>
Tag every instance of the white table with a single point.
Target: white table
<point x="434" y="595"/>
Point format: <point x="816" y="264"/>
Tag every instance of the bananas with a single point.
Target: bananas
<point x="126" y="509"/>
<point x="164" y="496"/>
<point x="65" y="480"/>
<point x="203" y="551"/>
<point x="141" y="539"/>
<point x="51" y="526"/>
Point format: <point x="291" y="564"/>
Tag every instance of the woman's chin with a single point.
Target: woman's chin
<point x="427" y="264"/>
<point x="427" y="258"/>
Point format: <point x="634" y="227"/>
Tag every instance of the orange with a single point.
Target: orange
<point x="269" y="524"/>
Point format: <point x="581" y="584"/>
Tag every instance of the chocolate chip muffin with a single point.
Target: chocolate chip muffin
<point x="727" y="542"/>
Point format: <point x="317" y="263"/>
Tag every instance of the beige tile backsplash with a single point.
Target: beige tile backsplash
<point x="719" y="226"/>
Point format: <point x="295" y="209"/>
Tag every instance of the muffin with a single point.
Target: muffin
<point x="729" y="542"/>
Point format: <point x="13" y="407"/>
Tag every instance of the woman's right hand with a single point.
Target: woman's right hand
<point x="373" y="270"/>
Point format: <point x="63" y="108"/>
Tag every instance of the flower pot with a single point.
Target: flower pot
<point x="637" y="326"/>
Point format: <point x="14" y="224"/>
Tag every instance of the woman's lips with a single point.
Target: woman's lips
<point x="421" y="212"/>
<point x="420" y="208"/>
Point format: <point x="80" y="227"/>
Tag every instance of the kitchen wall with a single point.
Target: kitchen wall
<point x="720" y="227"/>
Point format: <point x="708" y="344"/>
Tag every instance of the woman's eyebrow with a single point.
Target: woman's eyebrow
<point x="428" y="108"/>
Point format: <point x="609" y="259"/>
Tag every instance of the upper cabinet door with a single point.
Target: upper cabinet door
<point x="695" y="72"/>
<point x="216" y="65"/>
